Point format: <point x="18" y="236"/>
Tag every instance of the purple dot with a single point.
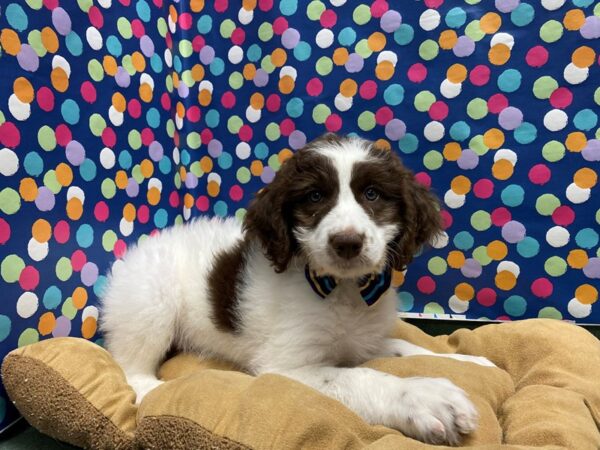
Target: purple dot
<point x="215" y="148"/>
<point x="513" y="232"/>
<point x="290" y="38"/>
<point x="147" y="45"/>
<point x="267" y="175"/>
<point x="591" y="28"/>
<point x="297" y="139"/>
<point x="395" y="129"/>
<point x="89" y="273"/>
<point x="468" y="159"/>
<point x="61" y="21"/>
<point x="183" y="90"/>
<point x="355" y="63"/>
<point x="261" y="78"/>
<point x="390" y="21"/>
<point x="75" y="153"/>
<point x="464" y="47"/>
<point x="592" y="268"/>
<point x="122" y="77"/>
<point x="28" y="58"/>
<point x="45" y="199"/>
<point x="471" y="268"/>
<point x="510" y="118"/>
<point x="507" y="6"/>
<point x="591" y="152"/>
<point x="207" y="54"/>
<point x="156" y="151"/>
<point x="132" y="189"/>
<point x="191" y="180"/>
<point x="62" y="328"/>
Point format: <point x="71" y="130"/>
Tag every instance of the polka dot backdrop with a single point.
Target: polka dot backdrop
<point x="121" y="117"/>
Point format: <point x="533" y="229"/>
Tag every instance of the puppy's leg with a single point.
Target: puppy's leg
<point x="432" y="410"/>
<point x="400" y="347"/>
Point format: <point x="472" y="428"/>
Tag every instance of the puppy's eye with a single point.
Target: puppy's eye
<point x="371" y="194"/>
<point x="315" y="196"/>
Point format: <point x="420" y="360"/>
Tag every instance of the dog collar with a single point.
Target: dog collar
<point x="371" y="286"/>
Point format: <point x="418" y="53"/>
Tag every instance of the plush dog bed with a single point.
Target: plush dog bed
<point x="545" y="393"/>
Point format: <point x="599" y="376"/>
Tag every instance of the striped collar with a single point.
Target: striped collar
<point x="371" y="286"/>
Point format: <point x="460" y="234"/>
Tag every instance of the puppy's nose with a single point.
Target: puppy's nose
<point x="346" y="244"/>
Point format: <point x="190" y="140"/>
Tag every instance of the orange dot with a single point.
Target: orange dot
<point x="74" y="208"/>
<point x="28" y="189"/>
<point x="284" y="155"/>
<point x="585" y="178"/>
<point x="497" y="250"/>
<point x="88" y="327"/>
<point x="286" y="84"/>
<point x="383" y="144"/>
<point x="505" y="280"/>
<point x="9" y="40"/>
<point x="577" y="259"/>
<point x="340" y="56"/>
<point x="110" y="66"/>
<point x="490" y="22"/>
<point x="80" y="297"/>
<point x="180" y="109"/>
<point x="397" y="278"/>
<point x="173" y="13"/>
<point x="583" y="57"/>
<point x="257" y="101"/>
<point x="64" y="174"/>
<point x="153" y="196"/>
<point x="204" y="97"/>
<point x="41" y="230"/>
<point x="502" y="169"/>
<point x="376" y="42"/>
<point x="256" y="168"/>
<point x="452" y="151"/>
<point x="212" y="188"/>
<point x="145" y="92"/>
<point x="129" y="212"/>
<point x="456" y="259"/>
<point x="198" y="72"/>
<point x="248" y="5"/>
<point x="574" y="19"/>
<point x="23" y="89"/>
<point x="384" y="70"/>
<point x="456" y="73"/>
<point x="249" y="71"/>
<point x="206" y="164"/>
<point x="576" y="141"/>
<point x="464" y="291"/>
<point x="175" y="77"/>
<point x="147" y="168"/>
<point x="46" y="323"/>
<point x="278" y="57"/>
<point x="448" y="39"/>
<point x="348" y="88"/>
<point x="460" y="185"/>
<point x="586" y="294"/>
<point x="188" y="200"/>
<point x="499" y="54"/>
<point x="121" y="179"/>
<point x="493" y="138"/>
<point x="196" y="5"/>
<point x="119" y="102"/>
<point x="182" y="172"/>
<point x="59" y="79"/>
<point x="49" y="39"/>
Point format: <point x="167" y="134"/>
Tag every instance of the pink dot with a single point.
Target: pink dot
<point x="542" y="288"/>
<point x="504" y="318"/>
<point x="165" y="101"/>
<point x="155" y="232"/>
<point x="273" y="103"/>
<point x="314" y="87"/>
<point x="88" y="92"/>
<point x="423" y="179"/>
<point x="147" y="136"/>
<point x="96" y="18"/>
<point x="134" y="108"/>
<point x="433" y="3"/>
<point x="417" y="73"/>
<point x="501" y="216"/>
<point x="228" y="100"/>
<point x="563" y="216"/>
<point x="61" y="232"/>
<point x="193" y="114"/>
<point x="109" y="137"/>
<point x="537" y="56"/>
<point x="238" y="36"/>
<point x="265" y="5"/>
<point x="383" y="115"/>
<point x="561" y="97"/>
<point x="4" y="231"/>
<point x="287" y="126"/>
<point x="78" y="260"/>
<point x="197" y="43"/>
<point x="51" y="4"/>
<point x="486" y="297"/>
<point x="158" y="3"/>
<point x="206" y="136"/>
<point x="236" y="193"/>
<point x="9" y="135"/>
<point x="368" y="90"/>
<point x="378" y="8"/>
<point x="280" y="25"/>
<point x="539" y="174"/>
<point x="426" y="285"/>
<point x="333" y="123"/>
<point x="221" y="5"/>
<point x="169" y="41"/>
<point x="328" y="18"/>
<point x="120" y="248"/>
<point x="63" y="135"/>
<point x="438" y="110"/>
<point x="483" y="188"/>
<point x="185" y="21"/>
<point x="447" y="219"/>
<point x="202" y="203"/>
<point x="45" y="99"/>
<point x="245" y="133"/>
<point x="174" y="199"/>
<point x="101" y="211"/>
<point x="137" y="27"/>
<point x="497" y="103"/>
<point x="480" y="75"/>
<point x="143" y="214"/>
<point x="29" y="278"/>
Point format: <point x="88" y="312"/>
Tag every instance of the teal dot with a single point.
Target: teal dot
<point x="528" y="247"/>
<point x="463" y="240"/>
<point x="212" y="118"/>
<point x="515" y="306"/>
<point x="100" y="285"/>
<point x="217" y="67"/>
<point x="153" y="117"/>
<point x="125" y="159"/>
<point x="156" y="63"/>
<point x="509" y="80"/>
<point x="143" y="10"/>
<point x="185" y="157"/>
<point x="70" y="111"/>
<point x="409" y="143"/>
<point x="52" y="297"/>
<point x="5" y="325"/>
<point x="165" y="165"/>
<point x="261" y="151"/>
<point x="526" y="133"/>
<point x="522" y="15"/>
<point x="456" y="17"/>
<point x="393" y="94"/>
<point x="295" y="107"/>
<point x="585" y="120"/>
<point x="404" y="35"/>
<point x="288" y="7"/>
<point x="220" y="208"/>
<point x="459" y="131"/>
<point x="587" y="238"/>
<point x="253" y="53"/>
<point x="16" y="17"/>
<point x="87" y="169"/>
<point x="113" y="45"/>
<point x="347" y="36"/>
<point x="405" y="301"/>
<point x="512" y="195"/>
<point x="204" y="24"/>
<point x="161" y="218"/>
<point x="225" y="161"/>
<point x="34" y="164"/>
<point x="85" y="235"/>
<point x="583" y="3"/>
<point x="74" y="44"/>
<point x="302" y="51"/>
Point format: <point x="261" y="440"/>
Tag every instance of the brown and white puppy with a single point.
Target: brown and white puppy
<point x="301" y="288"/>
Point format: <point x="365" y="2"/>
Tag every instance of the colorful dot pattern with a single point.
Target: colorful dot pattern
<point x="121" y="117"/>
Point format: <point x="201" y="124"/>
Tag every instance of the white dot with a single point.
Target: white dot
<point x="324" y="38"/>
<point x="507" y="154"/>
<point x="387" y="55"/>
<point x="343" y="103"/>
<point x="290" y="71"/>
<point x="91" y="311"/>
<point x="337" y="2"/>
<point x="555" y="120"/>
<point x="578" y="310"/>
<point x="205" y="84"/>
<point x="20" y="110"/>
<point x="187" y="213"/>
<point x="454" y="200"/>
<point x="168" y="58"/>
<point x="176" y="155"/>
<point x="145" y="78"/>
<point x="155" y="183"/>
<point x="434" y="131"/>
<point x="37" y="250"/>
<point x="440" y="240"/>
<point x="449" y="89"/>
<point x="59" y="61"/>
<point x="503" y="38"/>
<point x="242" y="150"/>
<point x="576" y="195"/>
<point x="510" y="267"/>
<point x="178" y="122"/>
<point x="557" y="236"/>
<point x="457" y="305"/>
<point x="116" y="117"/>
<point x="107" y="158"/>
<point x="75" y="192"/>
<point x="429" y="20"/>
<point x="245" y="16"/>
<point x="552" y="5"/>
<point x="27" y="305"/>
<point x="94" y="38"/>
<point x="213" y="176"/>
<point x="105" y="3"/>
<point x="9" y="162"/>
<point x="172" y="25"/>
<point x="235" y="54"/>
<point x="253" y="115"/>
<point x="125" y="227"/>
<point x="574" y="74"/>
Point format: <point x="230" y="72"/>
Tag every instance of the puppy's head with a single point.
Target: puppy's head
<point x="346" y="206"/>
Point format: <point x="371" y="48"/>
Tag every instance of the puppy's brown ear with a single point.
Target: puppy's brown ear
<point x="269" y="218"/>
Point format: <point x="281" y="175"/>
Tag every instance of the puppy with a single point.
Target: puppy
<point x="301" y="289"/>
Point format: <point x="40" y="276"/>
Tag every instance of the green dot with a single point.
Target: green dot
<point x="267" y="65"/>
<point x="2" y="118"/>
<point x="177" y="180"/>
<point x="555" y="266"/>
<point x="194" y="140"/>
<point x="551" y="31"/>
<point x="136" y="173"/>
<point x="236" y="80"/>
<point x="10" y="201"/>
<point x="108" y="188"/>
<point x="196" y="169"/>
<point x="169" y="83"/>
<point x="68" y="309"/>
<point x="134" y="139"/>
<point x="433" y="308"/>
<point x="28" y="336"/>
<point x="437" y="265"/>
<point x="315" y="9"/>
<point x="473" y="30"/>
<point x="550" y="312"/>
<point x="481" y="220"/>
<point x="544" y="86"/>
<point x="51" y="182"/>
<point x="546" y="204"/>
<point x="64" y="270"/>
<point x="265" y="31"/>
<point x="234" y="123"/>
<point x="598" y="216"/>
<point x="162" y="27"/>
<point x="240" y="214"/>
<point x="477" y="144"/>
<point x="429" y="49"/>
<point x="477" y="108"/>
<point x="272" y="131"/>
<point x="170" y="127"/>
<point x="423" y="100"/>
<point x="243" y="175"/>
<point x="324" y="65"/>
<point x="226" y="28"/>
<point x="481" y="255"/>
<point x="35" y="41"/>
<point x="34" y="4"/>
<point x="95" y="70"/>
<point x="124" y="27"/>
<point x="46" y="138"/>
<point x="11" y="268"/>
<point x="361" y="14"/>
<point x="97" y="124"/>
<point x="185" y="48"/>
<point x="597" y="10"/>
<point x="109" y="238"/>
<point x="362" y="48"/>
<point x="433" y="160"/>
<point x="366" y="121"/>
<point x="597" y="92"/>
<point x="127" y="64"/>
<point x="84" y="5"/>
<point x="320" y="113"/>
<point x="553" y="151"/>
<point x="274" y="162"/>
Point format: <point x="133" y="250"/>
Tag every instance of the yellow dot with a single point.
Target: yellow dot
<point x="147" y="168"/>
<point x="119" y="102"/>
<point x="348" y="88"/>
<point x="257" y="100"/>
<point x="121" y="179"/>
<point x="497" y="250"/>
<point x="384" y="70"/>
<point x="49" y="39"/>
<point x="464" y="291"/>
<point x="153" y="196"/>
<point x="583" y="57"/>
<point x="286" y="84"/>
<point x="28" y="189"/>
<point x="284" y="155"/>
<point x="88" y="327"/>
<point x="129" y="212"/>
<point x="493" y="138"/>
<point x="490" y="22"/>
<point x="10" y="42"/>
<point x="256" y="168"/>
<point x="41" y="230"/>
<point x="383" y="144"/>
<point x="204" y="97"/>
<point x="206" y="164"/>
<point x="448" y="39"/>
<point x="577" y="259"/>
<point x="249" y="71"/>
<point x="180" y="109"/>
<point x="460" y="185"/>
<point x="340" y="56"/>
<point x="452" y="151"/>
<point x="212" y="188"/>
<point x="198" y="72"/>
<point x="74" y="208"/>
<point x="23" y="89"/>
<point x="505" y="280"/>
<point x="574" y="19"/>
<point x="456" y="259"/>
<point x="502" y="169"/>
<point x="145" y="92"/>
<point x="586" y="294"/>
<point x="248" y="5"/>
<point x="278" y="57"/>
<point x="376" y="42"/>
<point x="456" y="73"/>
<point x="64" y="174"/>
<point x="46" y="323"/>
<point x="110" y="65"/>
<point x="188" y="200"/>
<point x="499" y="54"/>
<point x="585" y="178"/>
<point x="59" y="79"/>
<point x="80" y="297"/>
<point x="576" y="141"/>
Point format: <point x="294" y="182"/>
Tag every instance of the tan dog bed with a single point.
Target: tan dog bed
<point x="545" y="394"/>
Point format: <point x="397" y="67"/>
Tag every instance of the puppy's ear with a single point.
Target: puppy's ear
<point x="269" y="219"/>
